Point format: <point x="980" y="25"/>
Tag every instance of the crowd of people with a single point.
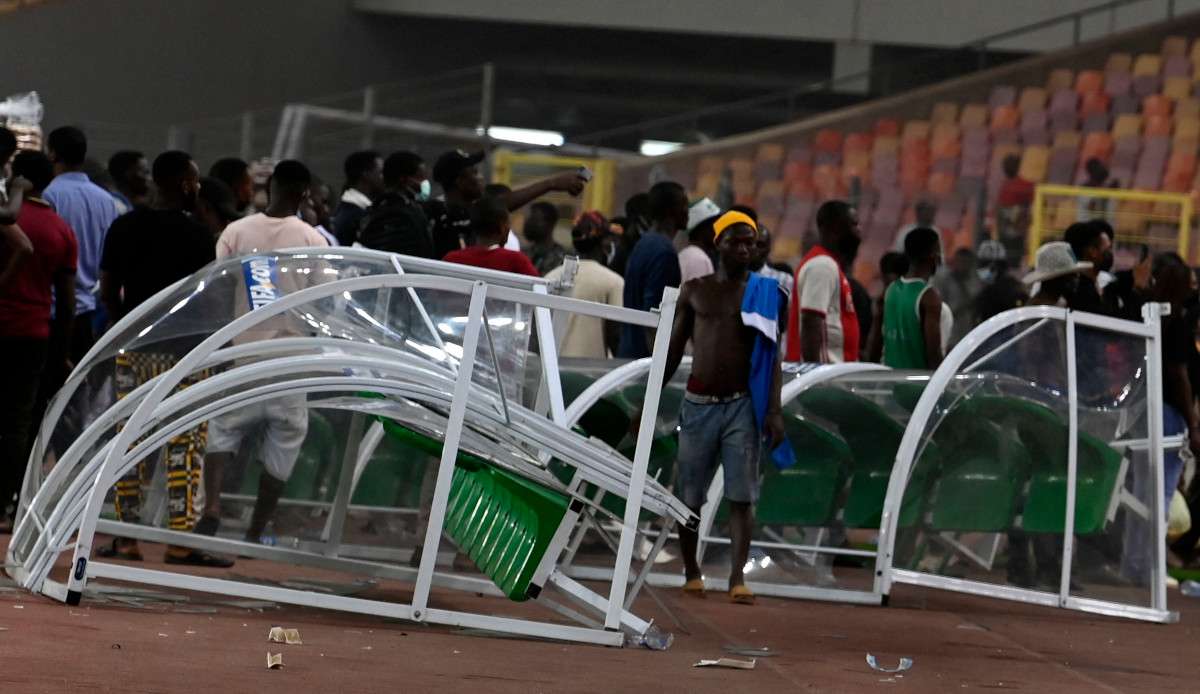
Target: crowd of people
<point x="77" y="256"/>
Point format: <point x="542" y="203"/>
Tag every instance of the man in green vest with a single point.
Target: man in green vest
<point x="912" y="307"/>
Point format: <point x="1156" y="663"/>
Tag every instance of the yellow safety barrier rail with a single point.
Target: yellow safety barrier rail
<point x="1161" y="221"/>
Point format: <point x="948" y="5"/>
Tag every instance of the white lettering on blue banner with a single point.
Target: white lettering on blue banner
<point x="262" y="281"/>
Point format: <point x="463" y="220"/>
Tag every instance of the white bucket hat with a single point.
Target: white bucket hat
<point x="1055" y="259"/>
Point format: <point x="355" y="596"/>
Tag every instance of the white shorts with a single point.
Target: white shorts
<point x="285" y="421"/>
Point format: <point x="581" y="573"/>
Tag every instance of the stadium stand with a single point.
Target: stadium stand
<point x="1135" y="107"/>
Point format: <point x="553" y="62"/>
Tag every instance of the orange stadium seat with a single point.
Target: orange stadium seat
<point x="1174" y="45"/>
<point x="915" y="129"/>
<point x="857" y="142"/>
<point x="887" y="127"/>
<point x="1004" y="118"/>
<point x="1157" y="125"/>
<point x="828" y="140"/>
<point x="944" y="112"/>
<point x="1089" y="82"/>
<point x="1156" y="105"/>
<point x="1093" y="102"/>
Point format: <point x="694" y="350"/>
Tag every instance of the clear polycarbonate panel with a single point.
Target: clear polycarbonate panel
<point x="1113" y="552"/>
<point x="984" y="498"/>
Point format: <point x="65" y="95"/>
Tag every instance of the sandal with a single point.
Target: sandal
<point x="694" y="587"/>
<point x="127" y="550"/>
<point x="741" y="595"/>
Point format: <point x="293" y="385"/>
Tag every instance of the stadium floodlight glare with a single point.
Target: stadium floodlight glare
<point x="528" y="136"/>
<point x="656" y="148"/>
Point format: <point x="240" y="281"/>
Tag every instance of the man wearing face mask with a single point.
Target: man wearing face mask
<point x="822" y="323"/>
<point x="1090" y="244"/>
<point x="397" y="223"/>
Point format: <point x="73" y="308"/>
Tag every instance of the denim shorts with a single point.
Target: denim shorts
<point x="714" y="434"/>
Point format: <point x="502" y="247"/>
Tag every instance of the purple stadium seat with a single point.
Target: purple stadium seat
<point x="1002" y="95"/>
<point x="1177" y="66"/>
<point x="1145" y="85"/>
<point x="1096" y="123"/>
<point x="1117" y="83"/>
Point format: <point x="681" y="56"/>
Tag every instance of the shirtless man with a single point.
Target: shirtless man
<point x="717" y="422"/>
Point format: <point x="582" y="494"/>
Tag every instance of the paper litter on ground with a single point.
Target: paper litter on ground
<point x="728" y="662"/>
<point x="274" y="660"/>
<point x="281" y="635"/>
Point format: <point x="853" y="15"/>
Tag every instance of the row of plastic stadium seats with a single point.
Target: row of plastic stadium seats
<point x="1140" y="115"/>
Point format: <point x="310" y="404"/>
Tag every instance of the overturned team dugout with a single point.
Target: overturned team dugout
<point x="436" y="455"/>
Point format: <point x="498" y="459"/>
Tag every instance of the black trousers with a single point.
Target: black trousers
<point x="21" y="363"/>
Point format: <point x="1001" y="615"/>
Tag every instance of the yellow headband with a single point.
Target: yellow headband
<point x="729" y="219"/>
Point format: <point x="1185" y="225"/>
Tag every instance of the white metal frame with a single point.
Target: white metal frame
<point x="885" y="572"/>
<point x="154" y="414"/>
<point x="954" y="365"/>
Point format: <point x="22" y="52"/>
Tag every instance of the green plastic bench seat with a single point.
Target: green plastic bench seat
<point x="1044" y="435"/>
<point x="873" y="438"/>
<point x="806" y="494"/>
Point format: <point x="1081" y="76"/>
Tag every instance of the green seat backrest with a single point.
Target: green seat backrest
<point x="871" y="433"/>
<point x="503" y="522"/>
<point x="806" y="494"/>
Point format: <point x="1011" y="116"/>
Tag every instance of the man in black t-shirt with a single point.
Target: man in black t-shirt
<point x="397" y="223"/>
<point x="458" y="174"/>
<point x="146" y="251"/>
<point x="150" y="248"/>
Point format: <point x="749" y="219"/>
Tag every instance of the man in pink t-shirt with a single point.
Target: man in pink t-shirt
<point x="285" y="419"/>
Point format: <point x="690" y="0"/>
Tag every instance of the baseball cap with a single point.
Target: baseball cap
<point x="590" y="225"/>
<point x="451" y="164"/>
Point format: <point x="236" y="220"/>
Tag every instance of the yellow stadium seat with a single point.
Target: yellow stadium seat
<point x="1064" y="139"/>
<point x="1127" y="124"/>
<point x="1187" y="128"/>
<point x="1187" y="108"/>
<point x="1177" y="88"/>
<point x="915" y="130"/>
<point x="1032" y="99"/>
<point x="974" y="116"/>
<point x="1061" y="78"/>
<point x="1147" y="64"/>
<point x="710" y="165"/>
<point x="944" y="112"/>
<point x="1118" y="62"/>
<point x="885" y="143"/>
<point x="1033" y="163"/>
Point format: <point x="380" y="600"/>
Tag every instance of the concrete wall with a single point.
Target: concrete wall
<point x="915" y="22"/>
<point x="164" y="61"/>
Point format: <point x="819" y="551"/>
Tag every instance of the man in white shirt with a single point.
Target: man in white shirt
<point x="695" y="259"/>
<point x="588" y="336"/>
<point x="285" y="419"/>
<point x="925" y="212"/>
<point x="822" y="323"/>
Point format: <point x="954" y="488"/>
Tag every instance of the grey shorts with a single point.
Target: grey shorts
<point x="286" y="422"/>
<point x="715" y="434"/>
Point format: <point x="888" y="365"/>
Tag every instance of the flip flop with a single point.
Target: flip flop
<point x="119" y="550"/>
<point x="741" y="595"/>
<point x="694" y="588"/>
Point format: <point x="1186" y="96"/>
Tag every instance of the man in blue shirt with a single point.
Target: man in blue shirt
<point x="89" y="210"/>
<point x="653" y="265"/>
